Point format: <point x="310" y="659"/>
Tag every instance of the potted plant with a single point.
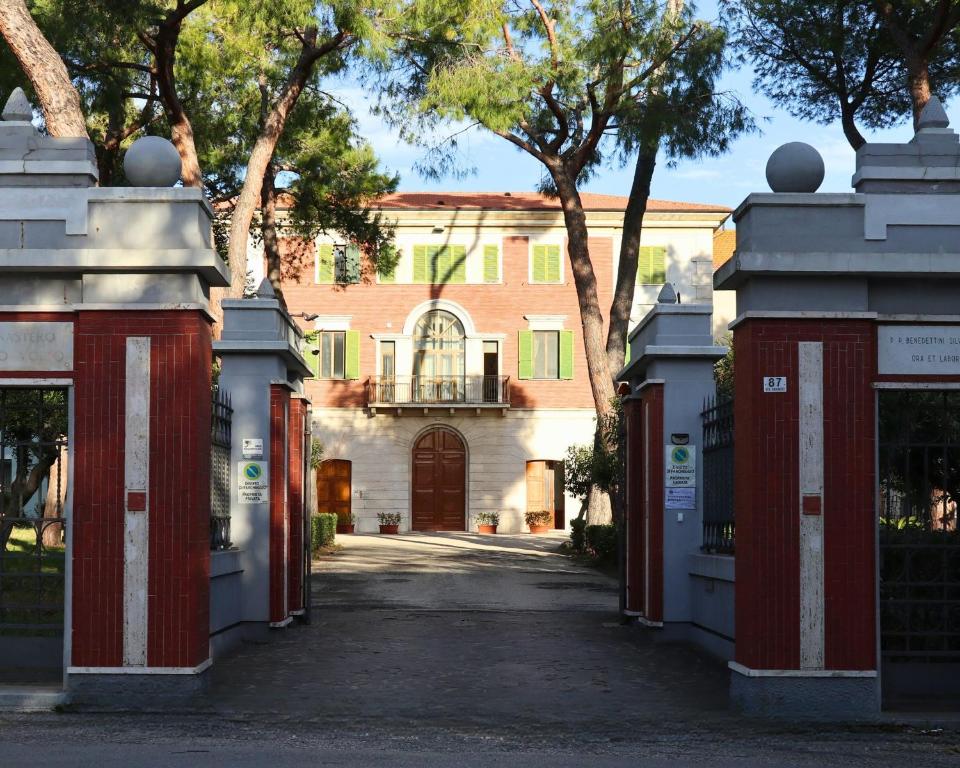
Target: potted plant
<point x="346" y="524"/>
<point x="487" y="522"/>
<point x="389" y="522"/>
<point x="539" y="520"/>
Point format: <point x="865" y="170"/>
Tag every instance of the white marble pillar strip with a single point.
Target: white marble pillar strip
<point x="810" y="505"/>
<point x="136" y="498"/>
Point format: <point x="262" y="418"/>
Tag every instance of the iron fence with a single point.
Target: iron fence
<point x="220" y="442"/>
<point x="33" y="477"/>
<point x="719" y="526"/>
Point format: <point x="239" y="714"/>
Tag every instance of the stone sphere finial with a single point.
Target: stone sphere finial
<point x="18" y="108"/>
<point x="152" y="161"/>
<point x="795" y="167"/>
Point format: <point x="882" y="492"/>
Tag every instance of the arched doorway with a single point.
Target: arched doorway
<point x="439" y="481"/>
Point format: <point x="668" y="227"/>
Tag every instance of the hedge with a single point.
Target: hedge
<point x="602" y="541"/>
<point x="323" y="530"/>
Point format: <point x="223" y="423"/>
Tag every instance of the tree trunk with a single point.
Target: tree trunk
<point x="850" y="130"/>
<point x="268" y="231"/>
<point x="181" y="129"/>
<point x="59" y="100"/>
<point x="622" y="303"/>
<point x="585" y="279"/>
<point x="918" y="78"/>
<point x="261" y="156"/>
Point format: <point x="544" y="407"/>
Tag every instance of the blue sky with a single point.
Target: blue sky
<point x="725" y="180"/>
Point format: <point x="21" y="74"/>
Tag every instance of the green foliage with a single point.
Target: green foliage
<point x="323" y="530"/>
<point x="538" y="517"/>
<point x="578" y="471"/>
<point x="488" y="518"/>
<point x="388" y="518"/>
<point x="316" y="453"/>
<point x="723" y="369"/>
<point x="578" y="536"/>
<point x="826" y="60"/>
<point x="587" y="466"/>
<point x="231" y="56"/>
<point x="601" y="542"/>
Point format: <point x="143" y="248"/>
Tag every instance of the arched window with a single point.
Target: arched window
<point x="438" y="343"/>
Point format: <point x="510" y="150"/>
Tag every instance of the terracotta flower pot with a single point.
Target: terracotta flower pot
<point x="486" y="529"/>
<point x="345" y="527"/>
<point x="389" y="529"/>
<point x="539" y="528"/>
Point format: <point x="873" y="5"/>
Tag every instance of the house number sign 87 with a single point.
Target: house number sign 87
<point x="774" y="383"/>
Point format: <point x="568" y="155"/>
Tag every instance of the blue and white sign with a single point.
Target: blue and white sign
<point x="253" y="482"/>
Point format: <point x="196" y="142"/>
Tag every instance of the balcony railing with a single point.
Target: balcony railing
<point x="444" y="391"/>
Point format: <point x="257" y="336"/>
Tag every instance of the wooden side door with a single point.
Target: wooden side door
<point x="334" y="488"/>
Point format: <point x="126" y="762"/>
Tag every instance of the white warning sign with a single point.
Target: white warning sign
<point x="253" y="482"/>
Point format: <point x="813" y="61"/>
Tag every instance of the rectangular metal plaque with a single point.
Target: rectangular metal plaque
<point x="36" y="347"/>
<point x="681" y="466"/>
<point x="252" y="447"/>
<point x="774" y="383"/>
<point x="918" y="349"/>
<point x="681" y="498"/>
<point x="253" y="482"/>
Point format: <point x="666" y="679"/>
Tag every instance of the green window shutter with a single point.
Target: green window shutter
<point x="353" y="264"/>
<point x="458" y="264"/>
<point x="311" y="344"/>
<point x="652" y="265"/>
<point x="491" y="264"/>
<point x="553" y="263"/>
<point x="325" y="263"/>
<point x="539" y="263"/>
<point x="525" y="355"/>
<point x="626" y="357"/>
<point x="351" y="368"/>
<point x="419" y="263"/>
<point x="566" y="354"/>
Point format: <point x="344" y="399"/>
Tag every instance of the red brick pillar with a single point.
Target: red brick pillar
<point x="279" y="504"/>
<point x="804" y="490"/>
<point x="298" y="413"/>
<point x="141" y="468"/>
<point x="644" y="583"/>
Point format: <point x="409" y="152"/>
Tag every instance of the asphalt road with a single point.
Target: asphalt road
<point x="458" y="650"/>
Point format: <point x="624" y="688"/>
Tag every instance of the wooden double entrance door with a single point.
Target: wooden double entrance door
<point x="439" y="481"/>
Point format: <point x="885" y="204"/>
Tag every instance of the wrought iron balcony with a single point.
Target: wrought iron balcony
<point x="438" y="392"/>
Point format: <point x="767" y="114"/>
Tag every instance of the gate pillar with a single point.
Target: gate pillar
<point x="817" y="276"/>
<point x="671" y="375"/>
<point x="104" y="291"/>
<point x="262" y="367"/>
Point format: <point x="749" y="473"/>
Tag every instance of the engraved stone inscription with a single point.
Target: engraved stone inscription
<point x="919" y="349"/>
<point x="36" y="346"/>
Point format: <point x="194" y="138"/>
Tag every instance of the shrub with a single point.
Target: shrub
<point x="488" y="518"/>
<point x="388" y="518"/>
<point x="601" y="541"/>
<point x="539" y="517"/>
<point x="578" y="537"/>
<point x="323" y="530"/>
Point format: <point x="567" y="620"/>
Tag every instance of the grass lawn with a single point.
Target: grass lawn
<point x="31" y="590"/>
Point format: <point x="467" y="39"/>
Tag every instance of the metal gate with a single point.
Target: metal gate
<point x="33" y="485"/>
<point x="919" y="485"/>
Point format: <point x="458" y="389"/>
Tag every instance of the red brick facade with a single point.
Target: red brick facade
<point x="494" y="308"/>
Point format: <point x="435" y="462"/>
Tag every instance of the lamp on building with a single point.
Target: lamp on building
<point x="308" y="316"/>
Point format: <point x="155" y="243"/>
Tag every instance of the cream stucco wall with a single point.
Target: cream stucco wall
<point x="498" y="448"/>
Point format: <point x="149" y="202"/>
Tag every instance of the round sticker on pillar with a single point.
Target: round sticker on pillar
<point x="680" y="455"/>
<point x="252" y="471"/>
